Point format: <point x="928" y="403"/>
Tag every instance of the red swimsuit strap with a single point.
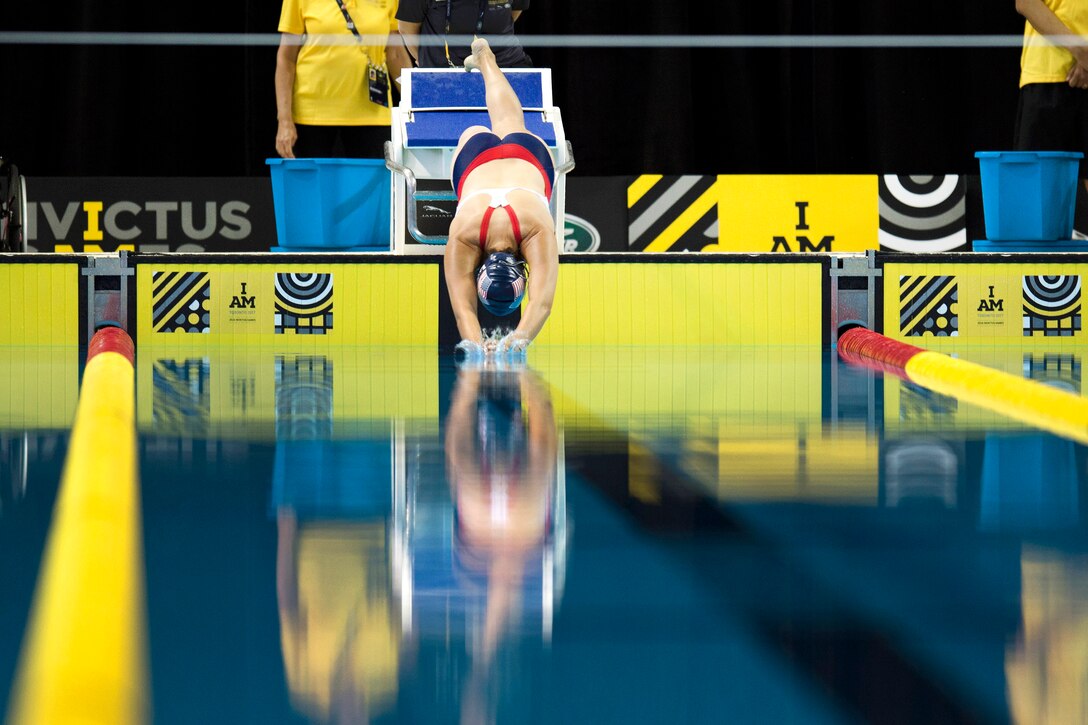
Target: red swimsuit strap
<point x="486" y="223"/>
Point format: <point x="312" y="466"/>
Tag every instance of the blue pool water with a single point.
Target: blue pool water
<point x="746" y="535"/>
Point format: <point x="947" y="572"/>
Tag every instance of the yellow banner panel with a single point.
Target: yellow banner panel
<point x="797" y="213"/>
<point x="40" y="304"/>
<point x="287" y="305"/>
<point x="39" y="387"/>
<point x="946" y="306"/>
<point x="676" y="303"/>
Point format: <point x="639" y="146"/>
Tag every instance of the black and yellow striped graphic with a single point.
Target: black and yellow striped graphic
<point x="1052" y="305"/>
<point x="303" y="303"/>
<point x="928" y="306"/>
<point x="180" y="302"/>
<point x="672" y="213"/>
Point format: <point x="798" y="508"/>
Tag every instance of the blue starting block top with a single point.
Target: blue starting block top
<point x="433" y="91"/>
<point x="444" y="128"/>
<point x="461" y="89"/>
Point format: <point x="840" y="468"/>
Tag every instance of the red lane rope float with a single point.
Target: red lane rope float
<point x="1029" y="401"/>
<point x="112" y="339"/>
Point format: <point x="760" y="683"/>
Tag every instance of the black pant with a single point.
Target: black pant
<point x="340" y="142"/>
<point x="1052" y="117"/>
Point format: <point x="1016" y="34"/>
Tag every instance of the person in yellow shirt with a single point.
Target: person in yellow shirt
<point x="333" y="98"/>
<point x="1053" y="109"/>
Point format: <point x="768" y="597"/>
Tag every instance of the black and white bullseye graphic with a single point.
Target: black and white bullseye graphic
<point x="1052" y="305"/>
<point x="303" y="303"/>
<point x="922" y="213"/>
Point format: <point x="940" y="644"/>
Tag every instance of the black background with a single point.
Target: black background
<point x="210" y="111"/>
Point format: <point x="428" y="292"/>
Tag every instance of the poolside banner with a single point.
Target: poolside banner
<point x="644" y="213"/>
<point x="91" y="214"/>
<point x="923" y="213"/>
<point x="1035" y="301"/>
<point x="286" y="301"/>
<point x="672" y="213"/>
<point x="811" y="213"/>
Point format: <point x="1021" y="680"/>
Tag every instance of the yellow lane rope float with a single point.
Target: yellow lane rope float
<point x="84" y="658"/>
<point x="1028" y="401"/>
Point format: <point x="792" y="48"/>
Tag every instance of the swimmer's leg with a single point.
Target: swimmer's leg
<point x="503" y="105"/>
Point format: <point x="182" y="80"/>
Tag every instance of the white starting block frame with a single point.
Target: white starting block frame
<point x="436" y="106"/>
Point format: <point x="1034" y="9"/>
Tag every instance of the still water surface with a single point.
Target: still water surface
<point x="746" y="535"/>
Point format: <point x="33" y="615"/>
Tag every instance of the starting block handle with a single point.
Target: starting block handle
<point x="560" y="171"/>
<point x="568" y="164"/>
<point x="410" y="183"/>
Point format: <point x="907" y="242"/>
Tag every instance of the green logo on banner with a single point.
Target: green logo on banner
<point x="579" y="235"/>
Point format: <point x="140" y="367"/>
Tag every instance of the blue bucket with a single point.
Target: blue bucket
<point x="331" y="203"/>
<point x="1029" y="195"/>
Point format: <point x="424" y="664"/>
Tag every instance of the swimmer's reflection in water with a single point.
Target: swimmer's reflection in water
<point x="501" y="445"/>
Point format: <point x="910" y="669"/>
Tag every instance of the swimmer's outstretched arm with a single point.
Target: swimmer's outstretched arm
<point x="461" y="286"/>
<point x="463" y="300"/>
<point x="542" y="255"/>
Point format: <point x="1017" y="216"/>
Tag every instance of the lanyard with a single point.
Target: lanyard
<point x="349" y="21"/>
<point x="449" y="16"/>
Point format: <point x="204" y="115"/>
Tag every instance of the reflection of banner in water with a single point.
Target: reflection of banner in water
<point x="919" y="405"/>
<point x="181" y="401"/>
<point x="303" y="397"/>
<point x="1061" y="371"/>
<point x="314" y="475"/>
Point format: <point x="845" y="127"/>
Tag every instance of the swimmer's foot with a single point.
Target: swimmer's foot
<point x="481" y="49"/>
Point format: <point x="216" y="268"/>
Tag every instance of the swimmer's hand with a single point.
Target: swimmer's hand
<point x="512" y="344"/>
<point x="469" y="350"/>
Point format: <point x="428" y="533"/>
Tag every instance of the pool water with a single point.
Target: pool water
<point x="599" y="535"/>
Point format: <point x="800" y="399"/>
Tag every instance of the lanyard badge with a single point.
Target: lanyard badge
<point x="377" y="75"/>
<point x="379" y="84"/>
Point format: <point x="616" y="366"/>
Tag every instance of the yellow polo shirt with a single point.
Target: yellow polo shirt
<point x="1042" y="61"/>
<point x="331" y="83"/>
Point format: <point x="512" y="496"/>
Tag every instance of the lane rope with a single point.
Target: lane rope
<point x="84" y="657"/>
<point x="1029" y="401"/>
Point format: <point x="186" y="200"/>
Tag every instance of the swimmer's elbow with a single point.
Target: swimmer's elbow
<point x="542" y="310"/>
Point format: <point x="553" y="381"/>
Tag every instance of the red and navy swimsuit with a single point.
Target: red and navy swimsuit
<point x="485" y="147"/>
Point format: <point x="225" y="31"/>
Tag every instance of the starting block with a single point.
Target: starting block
<point x="436" y="106"/>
